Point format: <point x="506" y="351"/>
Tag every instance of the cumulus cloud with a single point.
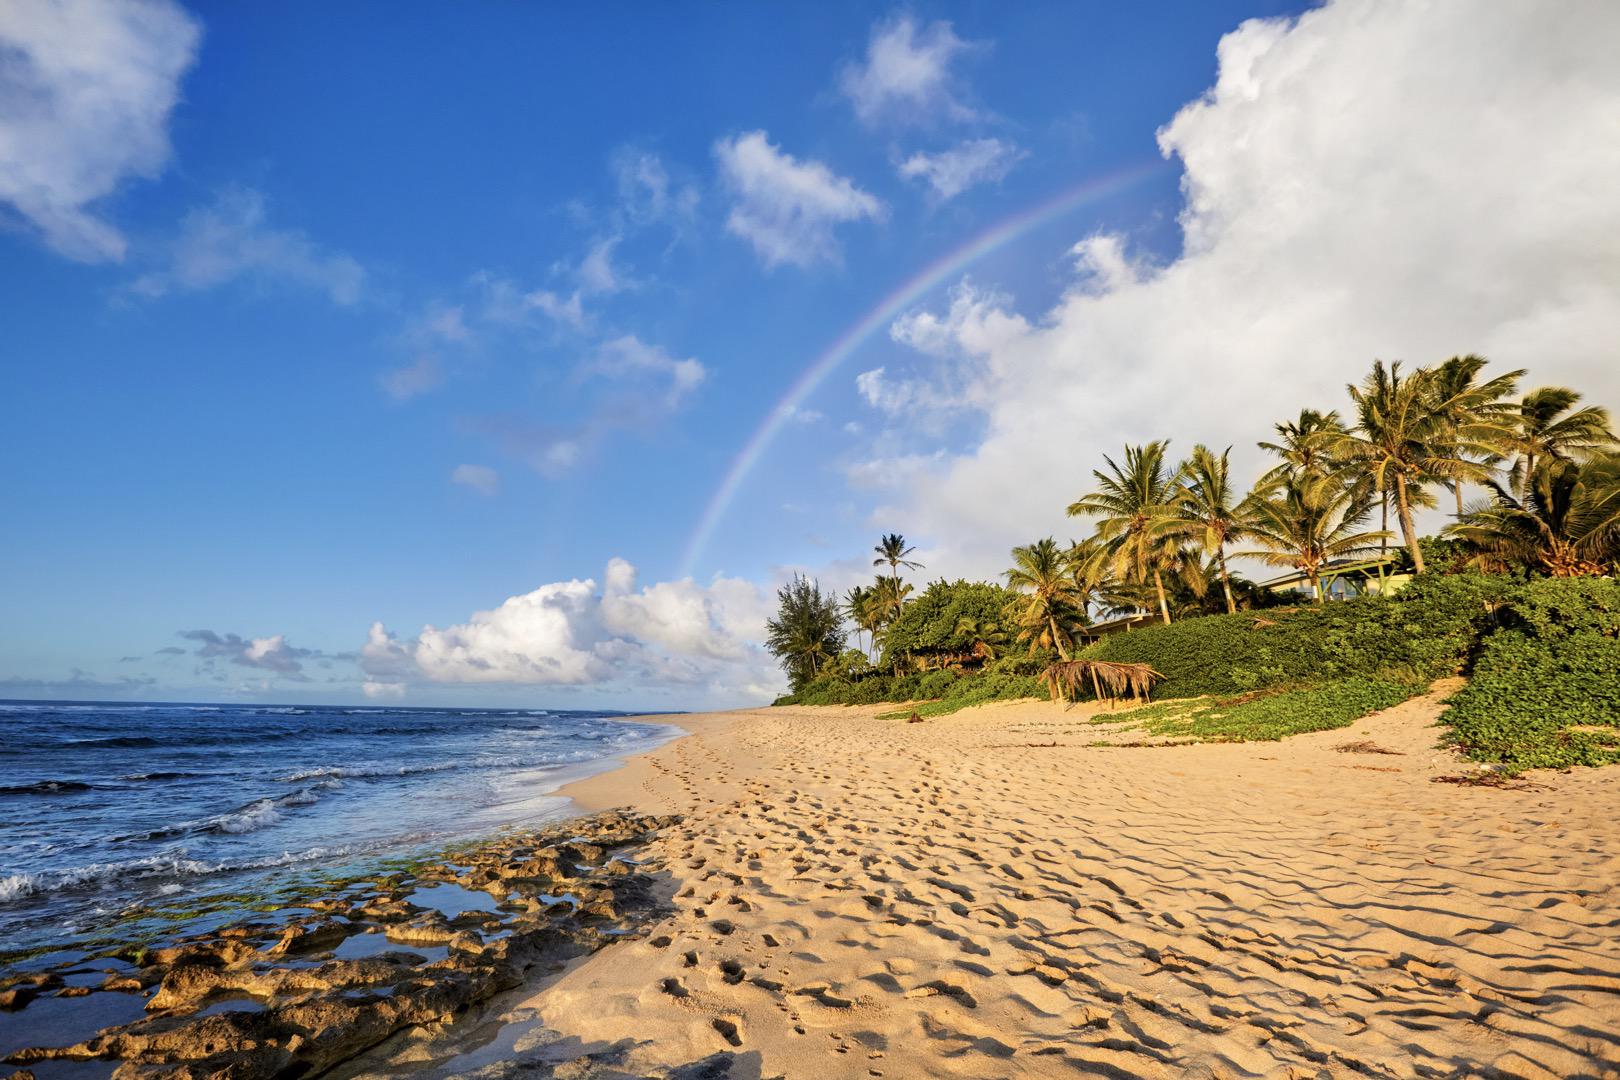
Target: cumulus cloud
<point x="86" y="90"/>
<point x="1460" y="199"/>
<point x="787" y="208"/>
<point x="270" y="653"/>
<point x="481" y="478"/>
<point x="233" y="238"/>
<point x="965" y="165"/>
<point x="906" y="75"/>
<point x="571" y="633"/>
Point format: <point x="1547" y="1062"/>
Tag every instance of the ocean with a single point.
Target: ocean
<point x="140" y="820"/>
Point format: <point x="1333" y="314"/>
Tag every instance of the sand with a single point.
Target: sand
<point x="856" y="897"/>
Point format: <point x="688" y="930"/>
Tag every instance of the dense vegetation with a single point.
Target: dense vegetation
<point x="1518" y="591"/>
<point x="1545" y="688"/>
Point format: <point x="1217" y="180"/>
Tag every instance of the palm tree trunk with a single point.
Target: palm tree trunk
<point x="1057" y="638"/>
<point x="1403" y="510"/>
<point x="1164" y="604"/>
<point x="1316" y="586"/>
<point x="1457" y="489"/>
<point x="1226" y="582"/>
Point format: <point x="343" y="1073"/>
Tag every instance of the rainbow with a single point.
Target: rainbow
<point x="886" y="310"/>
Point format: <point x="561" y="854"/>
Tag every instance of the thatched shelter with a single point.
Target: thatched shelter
<point x="1109" y="682"/>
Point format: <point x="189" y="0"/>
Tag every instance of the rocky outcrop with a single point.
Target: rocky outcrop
<point x="278" y="1002"/>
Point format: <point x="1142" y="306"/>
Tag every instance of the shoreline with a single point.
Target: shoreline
<point x="1022" y="889"/>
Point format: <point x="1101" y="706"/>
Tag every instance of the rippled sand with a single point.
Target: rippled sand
<point x="861" y="898"/>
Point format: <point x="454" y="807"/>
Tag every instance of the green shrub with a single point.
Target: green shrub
<point x="1274" y="716"/>
<point x="1545" y="690"/>
<point x="1425" y="631"/>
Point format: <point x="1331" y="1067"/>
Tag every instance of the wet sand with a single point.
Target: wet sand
<point x="987" y="895"/>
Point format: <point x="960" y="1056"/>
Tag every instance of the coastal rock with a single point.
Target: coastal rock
<point x="309" y="937"/>
<point x="307" y="1016"/>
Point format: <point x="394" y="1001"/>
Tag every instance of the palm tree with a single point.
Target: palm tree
<point x="1091" y="567"/>
<point x="1303" y="444"/>
<point x="1567" y="524"/>
<point x="855" y="602"/>
<point x="1052" y="609"/>
<point x="1137" y="517"/>
<point x="885" y="599"/>
<point x="1208" y="505"/>
<point x="808" y="629"/>
<point x="892" y="551"/>
<point x="1402" y="440"/>
<point x="1545" y="427"/>
<point x="1307" y="522"/>
<point x="1468" y="405"/>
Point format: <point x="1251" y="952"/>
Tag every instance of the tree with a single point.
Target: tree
<point x="950" y="624"/>
<point x="1544" y="425"/>
<point x="1567" y="524"/>
<point x="1403" y="439"/>
<point x="1466" y="404"/>
<point x="1052" y="604"/>
<point x="885" y="599"/>
<point x="855" y="609"/>
<point x="892" y="551"/>
<point x="1137" y="515"/>
<point x="1211" y="510"/>
<point x="1091" y="567"/>
<point x="808" y="630"/>
<point x="1303" y="445"/>
<point x="1307" y="522"/>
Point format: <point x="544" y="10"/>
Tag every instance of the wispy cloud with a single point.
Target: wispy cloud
<point x="965" y="165"/>
<point x="86" y="91"/>
<point x="233" y="238"/>
<point x="787" y="208"/>
<point x="480" y="478"/>
<point x="412" y="379"/>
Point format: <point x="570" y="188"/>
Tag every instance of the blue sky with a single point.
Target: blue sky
<point x="342" y="315"/>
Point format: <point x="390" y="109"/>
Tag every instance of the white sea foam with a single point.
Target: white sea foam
<point x="250" y="818"/>
<point x="17" y="886"/>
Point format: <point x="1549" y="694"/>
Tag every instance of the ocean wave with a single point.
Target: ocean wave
<point x="21" y="886"/>
<point x="250" y="817"/>
<point x="384" y="772"/>
<point x="46" y="787"/>
<point x="137" y="778"/>
<point x="129" y="742"/>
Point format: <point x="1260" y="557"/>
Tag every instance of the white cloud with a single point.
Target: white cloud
<point x="965" y="165"/>
<point x="413" y="379"/>
<point x="1401" y="181"/>
<point x="233" y="239"/>
<point x="86" y="89"/>
<point x="568" y="633"/>
<point x="906" y="77"/>
<point x="647" y="194"/>
<point x="630" y="357"/>
<point x="270" y="653"/>
<point x="786" y="208"/>
<point x="481" y="478"/>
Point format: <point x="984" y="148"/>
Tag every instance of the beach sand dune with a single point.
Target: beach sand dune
<point x="987" y="895"/>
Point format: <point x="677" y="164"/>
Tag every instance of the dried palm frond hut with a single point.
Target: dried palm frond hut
<point x="1109" y="682"/>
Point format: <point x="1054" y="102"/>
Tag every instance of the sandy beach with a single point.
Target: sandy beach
<point x="989" y="894"/>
